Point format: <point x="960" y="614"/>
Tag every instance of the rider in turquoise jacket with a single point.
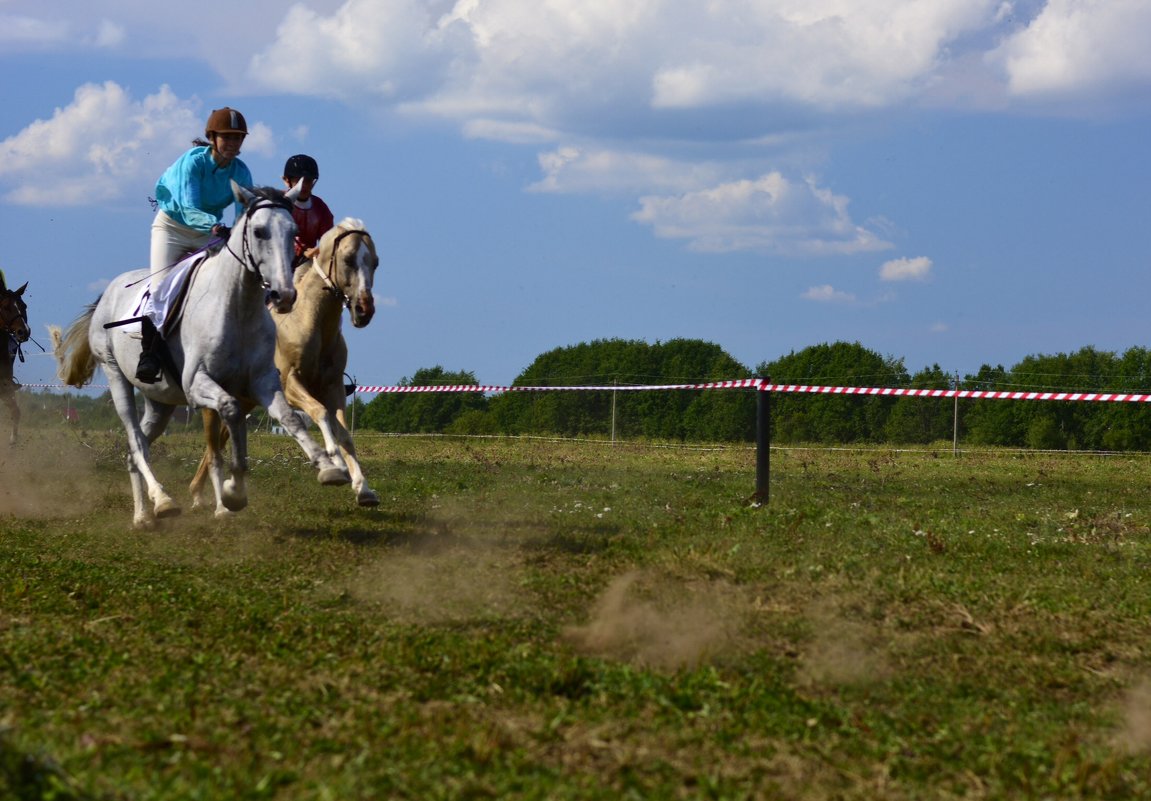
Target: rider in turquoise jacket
<point x="195" y="191"/>
<point x="191" y="197"/>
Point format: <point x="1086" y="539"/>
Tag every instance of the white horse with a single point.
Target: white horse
<point x="221" y="352"/>
<point x="311" y="353"/>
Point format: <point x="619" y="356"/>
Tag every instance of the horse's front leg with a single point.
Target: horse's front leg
<point x="271" y="397"/>
<point x="365" y="495"/>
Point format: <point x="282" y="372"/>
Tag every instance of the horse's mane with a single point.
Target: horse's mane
<point x="268" y="193"/>
<point x="272" y="195"/>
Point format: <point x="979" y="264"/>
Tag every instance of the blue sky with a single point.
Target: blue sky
<point x="951" y="182"/>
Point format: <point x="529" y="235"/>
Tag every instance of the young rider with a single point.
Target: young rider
<point x="312" y="215"/>
<point x="191" y="197"/>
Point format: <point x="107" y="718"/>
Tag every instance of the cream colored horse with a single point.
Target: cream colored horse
<point x="311" y="353"/>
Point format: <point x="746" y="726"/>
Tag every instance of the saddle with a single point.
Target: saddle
<point x="163" y="305"/>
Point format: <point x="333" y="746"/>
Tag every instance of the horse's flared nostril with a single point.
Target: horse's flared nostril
<point x="281" y="302"/>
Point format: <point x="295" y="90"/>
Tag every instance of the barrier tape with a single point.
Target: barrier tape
<point x="760" y="384"/>
<point x="741" y="383"/>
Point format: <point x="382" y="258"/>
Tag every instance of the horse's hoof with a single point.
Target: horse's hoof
<point x="368" y="498"/>
<point x="144" y="524"/>
<point x="225" y="514"/>
<point x="233" y="503"/>
<point x="167" y="508"/>
<point x="334" y="477"/>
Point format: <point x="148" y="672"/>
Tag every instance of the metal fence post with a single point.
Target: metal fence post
<point x="762" y="443"/>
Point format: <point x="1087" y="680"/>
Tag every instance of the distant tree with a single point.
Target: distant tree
<point x="672" y="414"/>
<point x="832" y="418"/>
<point x="919" y="419"/>
<point x="990" y="422"/>
<point x="1124" y="425"/>
<point x="423" y="412"/>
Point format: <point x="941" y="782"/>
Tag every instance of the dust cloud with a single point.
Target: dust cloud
<point x="1135" y="735"/>
<point x="842" y="651"/>
<point x="45" y="477"/>
<point x="660" y="622"/>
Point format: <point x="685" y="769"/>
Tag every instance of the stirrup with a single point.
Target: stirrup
<point x="148" y="371"/>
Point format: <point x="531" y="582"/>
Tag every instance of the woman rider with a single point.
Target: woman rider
<point x="191" y="197"/>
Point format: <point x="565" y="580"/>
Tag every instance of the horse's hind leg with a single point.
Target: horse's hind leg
<point x="156" y="417"/>
<point x="143" y="480"/>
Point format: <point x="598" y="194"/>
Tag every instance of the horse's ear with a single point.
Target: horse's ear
<point x="243" y="196"/>
<point x="294" y="192"/>
<point x="20" y="291"/>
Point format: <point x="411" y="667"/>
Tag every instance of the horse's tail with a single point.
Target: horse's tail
<point x="75" y="364"/>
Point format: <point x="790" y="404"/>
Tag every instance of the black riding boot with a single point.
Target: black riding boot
<point x="149" y="369"/>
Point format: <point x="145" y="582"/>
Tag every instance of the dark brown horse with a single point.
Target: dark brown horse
<point x="15" y="331"/>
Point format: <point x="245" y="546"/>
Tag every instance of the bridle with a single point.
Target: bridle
<point x="13" y="310"/>
<point x="330" y="276"/>
<point x="249" y="257"/>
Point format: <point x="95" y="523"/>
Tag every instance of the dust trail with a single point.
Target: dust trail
<point x="45" y="476"/>
<point x="1135" y="735"/>
<point x="842" y="651"/>
<point x="676" y="625"/>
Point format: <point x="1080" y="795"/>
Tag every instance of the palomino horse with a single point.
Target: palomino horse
<point x="310" y="350"/>
<point x="14" y="327"/>
<point x="221" y="353"/>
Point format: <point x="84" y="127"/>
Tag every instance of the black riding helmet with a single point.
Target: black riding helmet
<point x="301" y="166"/>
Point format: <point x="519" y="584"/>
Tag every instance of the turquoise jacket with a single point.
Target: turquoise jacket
<point x="195" y="192"/>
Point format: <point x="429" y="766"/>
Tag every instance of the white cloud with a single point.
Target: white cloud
<point x="916" y="269"/>
<point x="22" y="30"/>
<point x="1076" y="46"/>
<point x="109" y="35"/>
<point x="104" y="145"/>
<point x="770" y="214"/>
<point x="826" y="293"/>
<point x="587" y="169"/>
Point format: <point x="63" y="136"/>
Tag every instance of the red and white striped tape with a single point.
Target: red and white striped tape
<point x="742" y="383"/>
<point x="760" y="384"/>
<point x="1112" y="397"/>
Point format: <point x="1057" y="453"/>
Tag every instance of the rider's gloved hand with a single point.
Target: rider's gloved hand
<point x="221" y="231"/>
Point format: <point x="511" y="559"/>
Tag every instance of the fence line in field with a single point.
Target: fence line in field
<point x="764" y="389"/>
<point x="765" y="385"/>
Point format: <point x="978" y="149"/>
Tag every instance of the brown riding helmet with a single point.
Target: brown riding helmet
<point x="225" y="120"/>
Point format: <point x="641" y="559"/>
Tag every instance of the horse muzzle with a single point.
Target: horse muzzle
<point x="362" y="310"/>
<point x="280" y="302"/>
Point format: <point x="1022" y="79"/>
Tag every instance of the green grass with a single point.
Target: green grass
<point x="534" y="619"/>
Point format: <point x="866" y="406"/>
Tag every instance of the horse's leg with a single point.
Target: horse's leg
<point x="156" y="417"/>
<point x="271" y="396"/>
<point x="14" y="413"/>
<point x="211" y="464"/>
<point x="337" y="440"/>
<point x="205" y="392"/>
<point x="299" y="397"/>
<point x="365" y="495"/>
<point x="143" y="480"/>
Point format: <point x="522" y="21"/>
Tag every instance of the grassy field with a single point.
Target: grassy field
<point x="535" y="619"/>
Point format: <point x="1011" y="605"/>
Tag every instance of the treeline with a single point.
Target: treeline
<point x="729" y="415"/>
